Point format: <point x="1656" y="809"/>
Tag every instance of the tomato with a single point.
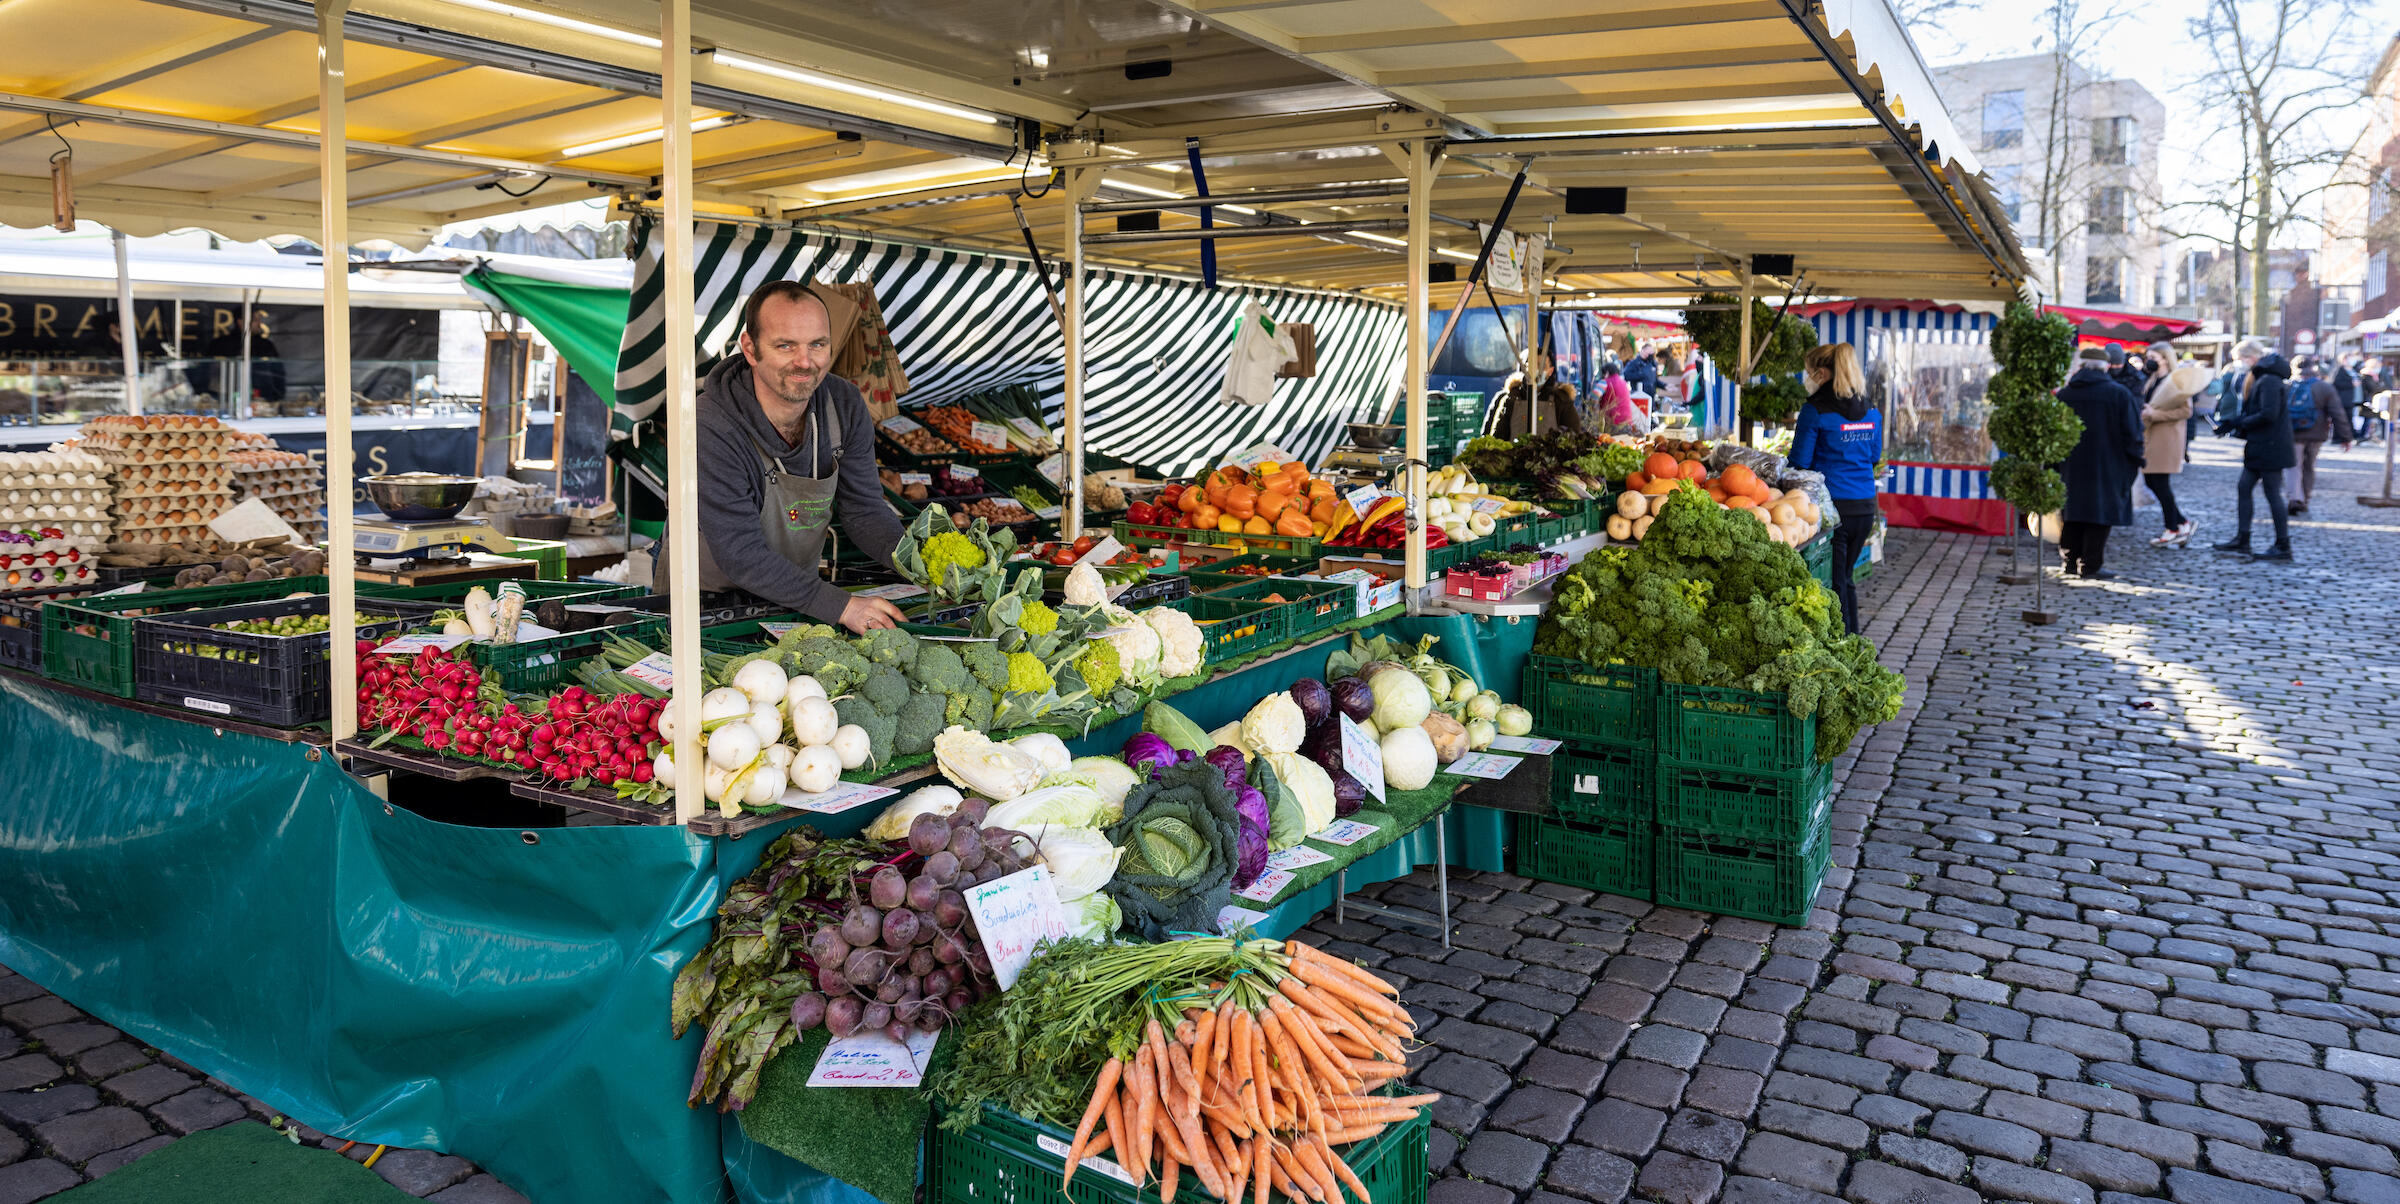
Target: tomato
<point x="1063" y="557"/>
<point x="1086" y="543"/>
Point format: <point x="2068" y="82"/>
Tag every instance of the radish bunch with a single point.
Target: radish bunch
<point x="574" y="736"/>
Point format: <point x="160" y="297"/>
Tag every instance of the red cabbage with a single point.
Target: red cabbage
<point x="1230" y="760"/>
<point x="1250" y="859"/>
<point x="1315" y="699"/>
<point x="1352" y="697"/>
<point x="1323" y="745"/>
<point x="1349" y="794"/>
<point x="1146" y="753"/>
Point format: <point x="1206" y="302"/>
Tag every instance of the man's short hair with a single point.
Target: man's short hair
<point x="789" y="290"/>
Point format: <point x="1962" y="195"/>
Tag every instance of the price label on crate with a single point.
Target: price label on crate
<point x="901" y="424"/>
<point x="842" y="796"/>
<point x="410" y="645"/>
<point x="658" y="670"/>
<point x="1269" y="885"/>
<point x="1484" y="765"/>
<point x="1232" y="918"/>
<point x="1362" y="757"/>
<point x="873" y="1059"/>
<point x="989" y="434"/>
<point x="1296" y="857"/>
<point x="1053" y="466"/>
<point x="893" y="592"/>
<point x="1489" y="505"/>
<point x="965" y="472"/>
<point x="916" y="478"/>
<point x="1058" y="1149"/>
<point x="1363" y="499"/>
<point x="1015" y="915"/>
<point x="775" y="631"/>
<point x="1525" y="744"/>
<point x="1344" y="832"/>
<point x="1029" y="428"/>
<point x="1049" y="512"/>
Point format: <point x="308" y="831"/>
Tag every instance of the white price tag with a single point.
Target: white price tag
<point x="893" y="592"/>
<point x="1362" y="758"/>
<point x="1484" y="765"/>
<point x="901" y="424"/>
<point x="1363" y="499"/>
<point x="1029" y="428"/>
<point x="1102" y="552"/>
<point x="989" y="434"/>
<point x="134" y="588"/>
<point x="1269" y="885"/>
<point x="1296" y="857"/>
<point x="657" y="669"/>
<point x="211" y="705"/>
<point x="1054" y="467"/>
<point x="1058" y="1149"/>
<point x="1016" y="915"/>
<point x="916" y="478"/>
<point x="1260" y="454"/>
<point x="1051" y="512"/>
<point x="1344" y="832"/>
<point x="1489" y="505"/>
<point x="1525" y="744"/>
<point x="410" y="645"/>
<point x="873" y="1060"/>
<point x="775" y="631"/>
<point x="966" y="472"/>
<point x="1232" y="917"/>
<point x="842" y="797"/>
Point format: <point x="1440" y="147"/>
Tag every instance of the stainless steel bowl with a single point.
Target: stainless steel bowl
<point x="1375" y="436"/>
<point x="412" y="497"/>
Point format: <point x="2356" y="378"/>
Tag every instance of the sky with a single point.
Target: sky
<point x="2151" y="45"/>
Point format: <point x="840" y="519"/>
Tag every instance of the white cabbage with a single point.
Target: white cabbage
<point x="1066" y="806"/>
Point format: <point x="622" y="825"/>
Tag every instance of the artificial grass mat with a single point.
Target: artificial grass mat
<point x="248" y="1162"/>
<point x="868" y="1137"/>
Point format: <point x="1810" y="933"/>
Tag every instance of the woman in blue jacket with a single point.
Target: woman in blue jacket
<point x="1840" y="435"/>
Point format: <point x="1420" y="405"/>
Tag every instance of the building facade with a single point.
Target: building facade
<point x="2361" y="255"/>
<point x="2074" y="159"/>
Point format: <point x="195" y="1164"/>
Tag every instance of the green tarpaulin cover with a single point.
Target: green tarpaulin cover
<point x="584" y="322"/>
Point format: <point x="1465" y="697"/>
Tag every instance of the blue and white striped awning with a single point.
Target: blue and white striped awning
<point x="1940" y="480"/>
<point x="1852" y="322"/>
<point x="965" y="322"/>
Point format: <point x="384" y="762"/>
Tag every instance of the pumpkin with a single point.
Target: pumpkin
<point x="1620" y="528"/>
<point x="1636" y="479"/>
<point x="1738" y="478"/>
<point x="1659" y="486"/>
<point x="1692" y="470"/>
<point x="1741" y="501"/>
<point x="1660" y="464"/>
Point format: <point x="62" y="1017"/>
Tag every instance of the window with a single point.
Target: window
<point x="2104" y="281"/>
<point x="2008" y="190"/>
<point x="2003" y="119"/>
<point x="2280" y="279"/>
<point x="1480" y="347"/>
<point x="2378" y="265"/>
<point x="2107" y="211"/>
<point x="2380" y="185"/>
<point x="2116" y="140"/>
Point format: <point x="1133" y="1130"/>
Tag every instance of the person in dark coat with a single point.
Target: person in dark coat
<point x="1554" y="396"/>
<point x="2100" y="472"/>
<point x="2123" y="371"/>
<point x="2332" y="422"/>
<point x="2263" y="422"/>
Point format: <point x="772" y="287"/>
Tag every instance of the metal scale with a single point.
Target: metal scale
<point x="422" y="541"/>
<point x="1369" y="452"/>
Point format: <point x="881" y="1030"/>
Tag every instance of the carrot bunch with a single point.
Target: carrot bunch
<point x="1259" y="1092"/>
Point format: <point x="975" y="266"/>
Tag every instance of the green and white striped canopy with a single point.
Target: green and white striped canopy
<point x="965" y="322"/>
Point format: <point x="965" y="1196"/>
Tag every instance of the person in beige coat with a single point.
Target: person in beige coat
<point x="2166" y="411"/>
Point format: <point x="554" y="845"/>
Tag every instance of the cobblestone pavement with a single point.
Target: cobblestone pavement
<point x="2115" y="914"/>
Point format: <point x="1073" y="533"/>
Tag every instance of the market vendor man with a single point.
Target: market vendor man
<point x="787" y="454"/>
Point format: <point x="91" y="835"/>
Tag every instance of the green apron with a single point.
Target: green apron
<point x="794" y="512"/>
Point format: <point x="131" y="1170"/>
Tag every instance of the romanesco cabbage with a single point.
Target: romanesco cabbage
<point x="947" y="548"/>
<point x="1028" y="675"/>
<point x="1038" y="618"/>
<point x="1099" y="667"/>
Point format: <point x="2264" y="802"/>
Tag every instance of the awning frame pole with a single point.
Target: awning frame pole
<point x="683" y="424"/>
<point x="333" y="198"/>
<point x="241" y="406"/>
<point x="128" y="342"/>
<point x="1748" y="281"/>
<point x="1080" y="185"/>
<point x="1417" y="159"/>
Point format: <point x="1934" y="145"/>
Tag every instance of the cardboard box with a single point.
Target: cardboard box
<point x="1372" y="596"/>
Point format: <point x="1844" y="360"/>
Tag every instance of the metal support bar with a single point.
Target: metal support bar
<point x="1311" y="230"/>
<point x="1342" y="906"/>
<point x="683" y="422"/>
<point x="333" y="198"/>
<point x="1075" y="188"/>
<point x="128" y="341"/>
<point x="1281" y="196"/>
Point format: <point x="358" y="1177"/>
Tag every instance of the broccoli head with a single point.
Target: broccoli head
<point x="970" y="707"/>
<point x="1038" y="618"/>
<point x="886" y="688"/>
<point x="988" y="664"/>
<point x="1028" y="675"/>
<point x="832" y="661"/>
<point x="939" y="670"/>
<point x="921" y="718"/>
<point x="881" y="726"/>
<point x="890" y="646"/>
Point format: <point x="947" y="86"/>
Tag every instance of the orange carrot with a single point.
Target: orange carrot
<point x="1204" y="1034"/>
<point x="1178" y="1070"/>
<point x="1350" y="1133"/>
<point x="1110" y="1072"/>
<point x="1289" y="1163"/>
<point x="1259" y="1168"/>
<point x="1120" y="1134"/>
<point x="1304" y="1035"/>
<point x="1310" y="955"/>
<point x="1341" y="1170"/>
<point x="1167" y="1175"/>
<point x="1145" y="1113"/>
<point x="1305" y="1152"/>
<point x="1102" y="1143"/>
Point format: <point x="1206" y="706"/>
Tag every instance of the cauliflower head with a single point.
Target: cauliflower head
<point x="1180" y="644"/>
<point x="1137" y="648"/>
<point x="1084" y="587"/>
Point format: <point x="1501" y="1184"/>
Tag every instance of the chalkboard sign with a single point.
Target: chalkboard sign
<point x="583" y="443"/>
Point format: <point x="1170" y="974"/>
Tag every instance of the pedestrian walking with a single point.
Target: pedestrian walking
<point x="2345" y="390"/>
<point x="2263" y="422"/>
<point x="1617" y="411"/>
<point x="2100" y="471"/>
<point x="2317" y="416"/>
<point x="1839" y="434"/>
<point x="1641" y="373"/>
<point x="2166" y="420"/>
<point x="2124" y="370"/>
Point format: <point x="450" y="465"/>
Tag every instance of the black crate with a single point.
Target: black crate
<point x="280" y="681"/>
<point x="21" y="628"/>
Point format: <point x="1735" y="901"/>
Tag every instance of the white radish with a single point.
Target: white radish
<point x="734" y="745"/>
<point x="723" y="706"/>
<point x="761" y="681"/>
<point x="816" y="769"/>
<point x="801" y="687"/>
<point x="851" y="746"/>
<point x="766" y="785"/>
<point x="662" y="769"/>
<point x="767" y="720"/>
<point x="813" y="722"/>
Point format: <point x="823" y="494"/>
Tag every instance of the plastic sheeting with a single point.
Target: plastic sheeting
<point x="367" y="972"/>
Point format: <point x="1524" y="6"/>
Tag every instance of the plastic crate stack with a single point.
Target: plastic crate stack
<point x="53" y="520"/>
<point x="171" y="475"/>
<point x="291" y="484"/>
<point x="1450" y="420"/>
<point x="1710" y="799"/>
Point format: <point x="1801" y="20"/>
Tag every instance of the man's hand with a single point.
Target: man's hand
<point x="863" y="615"/>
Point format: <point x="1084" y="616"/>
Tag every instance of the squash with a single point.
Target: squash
<point x="1692" y="470"/>
<point x="1641" y="527"/>
<point x="1654" y="505"/>
<point x="1742" y="501"/>
<point x="1660" y="486"/>
<point x="1738" y="478"/>
<point x="1660" y="464"/>
<point x="1782" y="512"/>
<point x="1636" y="479"/>
<point x="1620" y="528"/>
<point x="1632" y="505"/>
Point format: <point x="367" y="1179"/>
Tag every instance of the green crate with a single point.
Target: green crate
<point x="549" y="557"/>
<point x="1005" y="1159"/>
<point x="1817" y="554"/>
<point x="1603" y="785"/>
<point x="1611" y="705"/>
<point x="1231" y="628"/>
<point x="1616" y="857"/>
<point x="1311" y="606"/>
<point x="1727" y="875"/>
<point x="88" y="642"/>
<point x="1558" y="527"/>
<point x="1301" y="547"/>
<point x="535" y="591"/>
<point x="548" y="664"/>
<point x="1741" y="730"/>
<point x="1744" y="805"/>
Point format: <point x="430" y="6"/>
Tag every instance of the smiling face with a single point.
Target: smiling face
<point x="790" y="348"/>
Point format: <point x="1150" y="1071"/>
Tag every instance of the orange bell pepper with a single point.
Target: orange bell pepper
<point x="1205" y="518"/>
<point x="1272" y="504"/>
<point x="1293" y="523"/>
<point x="1241" y="501"/>
<point x="1190" y="500"/>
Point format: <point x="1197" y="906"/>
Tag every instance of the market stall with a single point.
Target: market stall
<point x="450" y="964"/>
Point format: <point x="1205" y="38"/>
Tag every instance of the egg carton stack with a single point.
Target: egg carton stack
<point x="291" y="484"/>
<point x="172" y="475"/>
<point x="53" y="519"/>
